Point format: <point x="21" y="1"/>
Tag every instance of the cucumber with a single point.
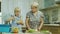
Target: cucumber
<point x="31" y="30"/>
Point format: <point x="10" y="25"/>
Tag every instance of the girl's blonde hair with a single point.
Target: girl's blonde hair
<point x="17" y="8"/>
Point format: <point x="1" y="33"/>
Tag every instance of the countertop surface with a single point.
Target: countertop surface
<point x="28" y="33"/>
<point x="51" y="24"/>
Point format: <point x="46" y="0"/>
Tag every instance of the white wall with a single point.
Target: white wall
<point x="41" y="4"/>
<point x="9" y="5"/>
<point x="57" y="0"/>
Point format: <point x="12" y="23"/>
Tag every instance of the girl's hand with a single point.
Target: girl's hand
<point x="9" y="19"/>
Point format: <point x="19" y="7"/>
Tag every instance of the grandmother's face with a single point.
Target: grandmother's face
<point x="34" y="8"/>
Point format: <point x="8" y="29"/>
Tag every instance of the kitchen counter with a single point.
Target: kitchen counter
<point x="51" y="24"/>
<point x="54" y="28"/>
<point x="27" y="33"/>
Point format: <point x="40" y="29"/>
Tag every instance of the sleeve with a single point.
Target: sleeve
<point x="27" y="15"/>
<point x="41" y="14"/>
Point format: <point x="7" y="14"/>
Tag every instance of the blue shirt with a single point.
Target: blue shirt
<point x="16" y="18"/>
<point x="14" y="22"/>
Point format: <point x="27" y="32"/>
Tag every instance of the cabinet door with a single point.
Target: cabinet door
<point x="54" y="15"/>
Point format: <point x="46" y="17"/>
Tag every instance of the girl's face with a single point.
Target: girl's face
<point x="17" y="12"/>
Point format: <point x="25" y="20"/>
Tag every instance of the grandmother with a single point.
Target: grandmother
<point x="34" y="18"/>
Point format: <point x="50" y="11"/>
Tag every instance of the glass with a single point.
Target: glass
<point x="23" y="29"/>
<point x="14" y="29"/>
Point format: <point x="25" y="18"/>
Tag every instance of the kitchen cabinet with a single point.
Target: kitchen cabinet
<point x="51" y="14"/>
<point x="53" y="28"/>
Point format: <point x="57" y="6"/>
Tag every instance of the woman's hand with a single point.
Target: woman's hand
<point x="38" y="29"/>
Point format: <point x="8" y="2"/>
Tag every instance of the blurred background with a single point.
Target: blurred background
<point x="50" y="8"/>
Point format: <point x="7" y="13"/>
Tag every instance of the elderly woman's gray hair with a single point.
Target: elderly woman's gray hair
<point x="35" y="4"/>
